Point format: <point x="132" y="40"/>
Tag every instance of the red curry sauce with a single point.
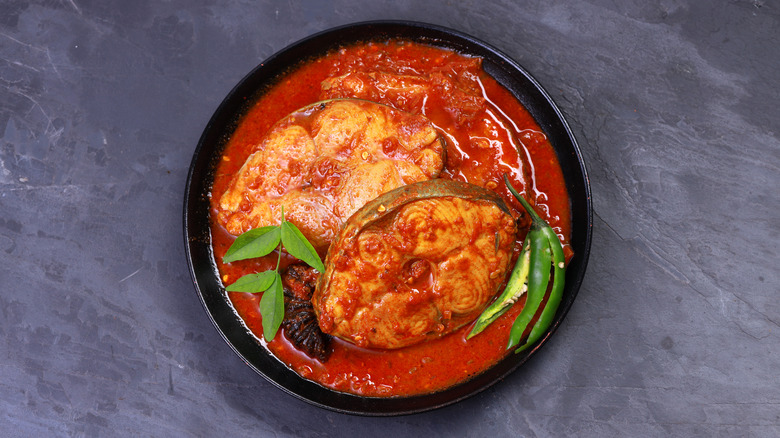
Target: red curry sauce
<point x="432" y="365"/>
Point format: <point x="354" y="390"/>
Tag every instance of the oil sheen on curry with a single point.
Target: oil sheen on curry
<point x="389" y="158"/>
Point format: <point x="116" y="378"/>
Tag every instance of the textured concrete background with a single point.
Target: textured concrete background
<point x="674" y="332"/>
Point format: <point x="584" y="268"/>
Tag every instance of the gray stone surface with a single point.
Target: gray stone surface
<point x="674" y="332"/>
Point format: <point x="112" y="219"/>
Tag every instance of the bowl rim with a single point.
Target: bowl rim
<point x="197" y="237"/>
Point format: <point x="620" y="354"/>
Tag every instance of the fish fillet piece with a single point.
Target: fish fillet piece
<point x="324" y="161"/>
<point x="417" y="262"/>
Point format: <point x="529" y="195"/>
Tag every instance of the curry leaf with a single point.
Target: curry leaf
<point x="258" y="243"/>
<point x="272" y="307"/>
<point x="253" y="283"/>
<point x="296" y="244"/>
<point x="254" y="243"/>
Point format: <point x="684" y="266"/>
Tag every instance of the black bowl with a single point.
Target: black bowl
<point x="222" y="124"/>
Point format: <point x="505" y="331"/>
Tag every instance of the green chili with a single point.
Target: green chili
<point x="559" y="276"/>
<point x="542" y="253"/>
